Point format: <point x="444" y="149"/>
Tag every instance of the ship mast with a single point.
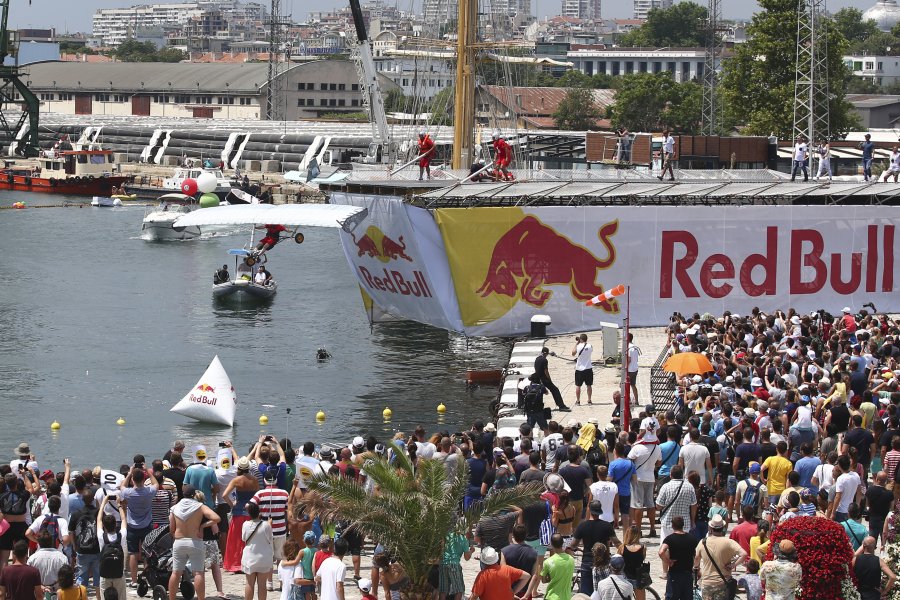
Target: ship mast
<point x="464" y="103"/>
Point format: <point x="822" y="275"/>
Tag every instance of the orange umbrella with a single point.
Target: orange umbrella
<point x="687" y="363"/>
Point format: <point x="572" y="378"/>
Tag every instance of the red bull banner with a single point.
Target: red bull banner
<point x="509" y="264"/>
<point x="397" y="255"/>
<point x="487" y="271"/>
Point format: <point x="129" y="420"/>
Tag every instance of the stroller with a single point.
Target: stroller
<point x="157" y="551"/>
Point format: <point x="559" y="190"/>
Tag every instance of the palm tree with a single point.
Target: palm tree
<point x="412" y="510"/>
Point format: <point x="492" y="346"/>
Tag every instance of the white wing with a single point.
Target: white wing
<point x="309" y="215"/>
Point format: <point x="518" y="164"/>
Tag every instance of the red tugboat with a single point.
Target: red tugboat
<point x="73" y="172"/>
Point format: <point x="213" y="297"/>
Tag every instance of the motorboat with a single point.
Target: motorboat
<point x="71" y="172"/>
<point x="173" y="183"/>
<point x="158" y="223"/>
<point x="105" y="201"/>
<point x="244" y="281"/>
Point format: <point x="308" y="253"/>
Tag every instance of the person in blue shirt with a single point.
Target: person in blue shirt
<point x="868" y="149"/>
<point x="620" y="471"/>
<point x="203" y="477"/>
<point x="806" y="466"/>
<point x="669" y="451"/>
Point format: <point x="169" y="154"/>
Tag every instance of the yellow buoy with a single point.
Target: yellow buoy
<point x="387" y="413"/>
<point x="121" y="421"/>
<point x="441" y="408"/>
<point x="54" y="425"/>
<point x="320" y="416"/>
<point x="263" y="419"/>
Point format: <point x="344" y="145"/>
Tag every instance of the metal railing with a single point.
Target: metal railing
<point x="662" y="384"/>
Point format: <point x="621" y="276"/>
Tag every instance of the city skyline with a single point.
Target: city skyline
<point x="67" y="16"/>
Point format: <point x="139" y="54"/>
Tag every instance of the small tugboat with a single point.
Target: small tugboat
<point x="73" y="172"/>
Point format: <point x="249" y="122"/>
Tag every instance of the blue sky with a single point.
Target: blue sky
<point x="69" y="15"/>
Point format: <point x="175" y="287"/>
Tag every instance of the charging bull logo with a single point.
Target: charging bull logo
<point x="375" y="244"/>
<point x="531" y="256"/>
<point x="203" y="387"/>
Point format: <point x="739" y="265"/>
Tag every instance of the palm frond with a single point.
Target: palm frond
<point x="496" y="501"/>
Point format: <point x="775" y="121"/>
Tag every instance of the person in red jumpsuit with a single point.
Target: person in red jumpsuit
<point x="502" y="158"/>
<point x="273" y="234"/>
<point x="426" y="151"/>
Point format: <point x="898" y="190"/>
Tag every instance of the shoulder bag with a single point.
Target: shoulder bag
<point x="666" y="508"/>
<point x="612" y="579"/>
<point x="731" y="585"/>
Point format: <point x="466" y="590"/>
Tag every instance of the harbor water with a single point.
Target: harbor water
<point x="98" y="324"/>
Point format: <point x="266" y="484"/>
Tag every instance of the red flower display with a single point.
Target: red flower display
<point x="824" y="552"/>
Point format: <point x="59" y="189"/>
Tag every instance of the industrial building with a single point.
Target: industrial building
<point x="198" y="90"/>
<point x="685" y="64"/>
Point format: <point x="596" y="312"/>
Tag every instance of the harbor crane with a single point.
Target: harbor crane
<point x="14" y="93"/>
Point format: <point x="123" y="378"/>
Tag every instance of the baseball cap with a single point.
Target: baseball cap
<point x="309" y="536"/>
<point x="697" y="379"/>
<point x="846" y="309"/>
<point x="365" y="584"/>
<point x="359" y="442"/>
<point x="754" y="467"/>
<point x="804" y="399"/>
<point x="617" y="562"/>
<point x="498" y="451"/>
<point x="650" y="409"/>
<point x="750" y="412"/>
<point x="553" y="482"/>
<point x="48" y="474"/>
<point x="795" y="320"/>
<point x="324" y="539"/>
<point x="489" y="556"/>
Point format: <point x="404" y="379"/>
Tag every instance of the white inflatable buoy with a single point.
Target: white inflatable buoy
<point x="207" y="183"/>
<point x="212" y="400"/>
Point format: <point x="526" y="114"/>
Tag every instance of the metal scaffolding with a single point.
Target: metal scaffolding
<point x="811" y="92"/>
<point x="275" y="108"/>
<point x="714" y="49"/>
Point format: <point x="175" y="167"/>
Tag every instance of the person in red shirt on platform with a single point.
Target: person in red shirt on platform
<point x="273" y="234"/>
<point x="426" y="152"/>
<point x="496" y="581"/>
<point x="502" y="157"/>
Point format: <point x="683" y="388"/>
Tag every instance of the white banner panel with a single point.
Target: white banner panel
<point x="397" y="255"/>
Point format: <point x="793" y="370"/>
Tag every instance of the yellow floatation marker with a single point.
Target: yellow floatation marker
<point x="54" y="425"/>
<point x="120" y="421"/>
<point x="387" y="413"/>
<point x="320" y="416"/>
<point x="263" y="419"/>
<point x="441" y="408"/>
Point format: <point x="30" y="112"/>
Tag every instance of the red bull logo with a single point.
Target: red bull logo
<point x="375" y="244"/>
<point x="203" y="387"/>
<point x="532" y="256"/>
<point x="203" y="399"/>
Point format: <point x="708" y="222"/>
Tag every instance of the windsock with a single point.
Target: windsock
<point x="607" y="295"/>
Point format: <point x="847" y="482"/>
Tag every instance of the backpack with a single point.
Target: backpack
<point x="50" y="524"/>
<point x="533" y="398"/>
<point x="86" y="541"/>
<point x="751" y="496"/>
<point x="112" y="559"/>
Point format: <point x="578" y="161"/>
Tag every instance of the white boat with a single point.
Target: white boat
<point x="105" y="201"/>
<point x="173" y="183"/>
<point x="243" y="285"/>
<point x="212" y="399"/>
<point x="158" y="223"/>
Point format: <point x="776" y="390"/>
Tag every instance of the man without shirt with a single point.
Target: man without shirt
<point x="186" y="519"/>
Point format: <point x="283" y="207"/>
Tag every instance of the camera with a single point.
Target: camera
<point x="223" y="445"/>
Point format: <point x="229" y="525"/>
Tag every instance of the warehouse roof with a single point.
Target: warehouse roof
<point x="246" y="78"/>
